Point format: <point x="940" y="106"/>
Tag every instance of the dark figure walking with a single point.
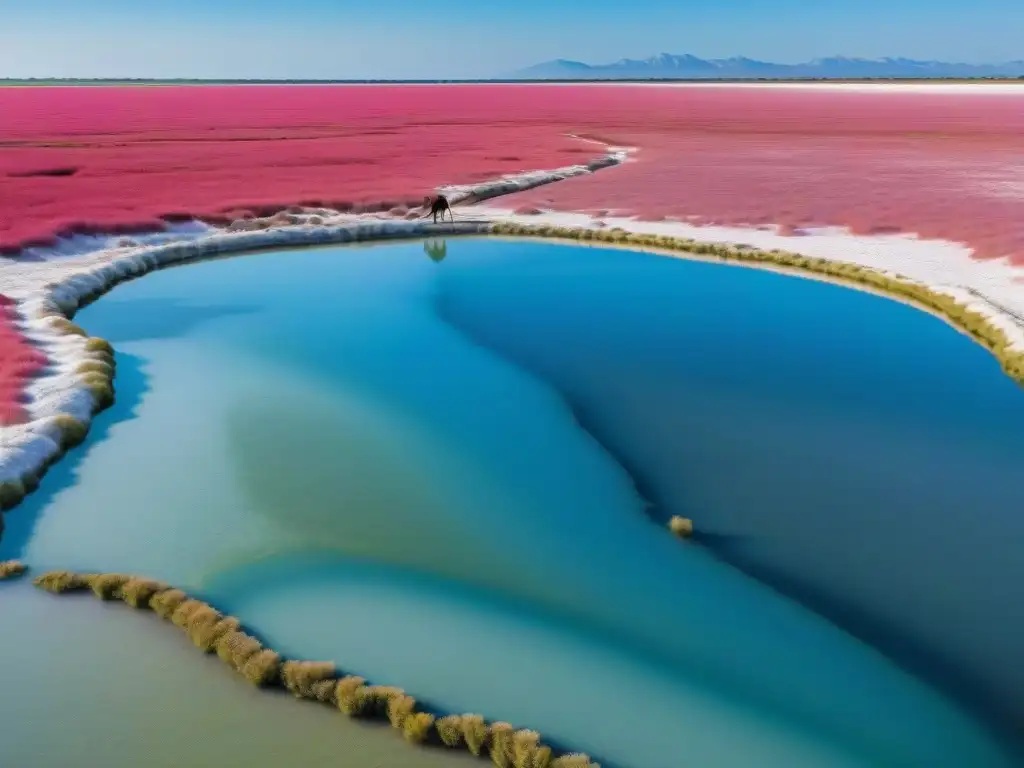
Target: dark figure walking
<point x="438" y="205"/>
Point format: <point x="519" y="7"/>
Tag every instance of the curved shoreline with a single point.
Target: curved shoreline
<point x="213" y="632"/>
<point x="69" y="295"/>
<point x="76" y="380"/>
<point x="80" y="381"/>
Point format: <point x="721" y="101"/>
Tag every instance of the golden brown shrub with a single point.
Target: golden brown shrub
<point x="323" y="691"/>
<point x="681" y="526"/>
<point x="449" y="729"/>
<point x="542" y="757"/>
<point x="262" y="668"/>
<point x="11" y="569"/>
<point x="65" y="326"/>
<point x="138" y="592"/>
<point x="181" y="615"/>
<point x="72" y="431"/>
<point x="165" y="603"/>
<point x="476" y="733"/>
<point x="61" y="581"/>
<point x="526" y="748"/>
<point x="99" y="367"/>
<point x="418" y="727"/>
<point x="96" y="344"/>
<point x="235" y="648"/>
<point x="106" y="586"/>
<point x="349" y="695"/>
<point x="573" y="760"/>
<point x="501" y="745"/>
<point x="205" y="630"/>
<point x="300" y="676"/>
<point x="375" y="700"/>
<point x="101" y="389"/>
<point x="399" y="708"/>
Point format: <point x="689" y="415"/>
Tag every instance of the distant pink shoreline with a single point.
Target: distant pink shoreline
<point x="933" y="163"/>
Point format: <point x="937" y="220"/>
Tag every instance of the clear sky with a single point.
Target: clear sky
<point x="476" y="38"/>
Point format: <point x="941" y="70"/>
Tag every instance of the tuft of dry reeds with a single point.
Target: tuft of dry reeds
<point x="476" y="733"/>
<point x="681" y="526"/>
<point x="349" y="695"/>
<point x="101" y="346"/>
<point x="417" y="727"/>
<point x="101" y="387"/>
<point x="11" y="493"/>
<point x="528" y="752"/>
<point x="165" y="602"/>
<point x="72" y="431"/>
<point x="212" y="631"/>
<point x="59" y="582"/>
<point x="400" y="709"/>
<point x="572" y="760"/>
<point x="206" y="626"/>
<point x="106" y="586"/>
<point x="11" y="569"/>
<point x="95" y="366"/>
<point x="262" y="668"/>
<point x="315" y="680"/>
<point x="64" y="326"/>
<point x="501" y="745"/>
<point x="449" y="730"/>
<point x="138" y="592"/>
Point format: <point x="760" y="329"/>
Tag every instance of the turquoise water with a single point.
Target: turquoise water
<point x="348" y="448"/>
<point x="94" y="685"/>
<point x="852" y="452"/>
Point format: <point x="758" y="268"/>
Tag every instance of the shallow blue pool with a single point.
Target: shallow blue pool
<point x="453" y="476"/>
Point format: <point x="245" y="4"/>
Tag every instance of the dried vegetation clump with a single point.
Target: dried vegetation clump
<point x="11" y="569"/>
<point x="681" y="526"/>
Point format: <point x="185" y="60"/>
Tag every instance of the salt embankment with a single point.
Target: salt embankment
<point x="43" y="291"/>
<point x="56" y="377"/>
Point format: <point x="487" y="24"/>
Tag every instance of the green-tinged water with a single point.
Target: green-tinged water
<point x="94" y="685"/>
<point x="314" y="441"/>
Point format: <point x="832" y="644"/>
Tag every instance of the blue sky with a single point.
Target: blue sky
<point x="476" y="38"/>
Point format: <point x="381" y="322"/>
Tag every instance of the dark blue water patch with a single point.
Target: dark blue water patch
<point x="854" y="452"/>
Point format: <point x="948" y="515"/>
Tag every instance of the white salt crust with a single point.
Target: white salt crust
<point x="84" y="267"/>
<point x="56" y="279"/>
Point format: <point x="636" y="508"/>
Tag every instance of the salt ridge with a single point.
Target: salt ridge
<point x="84" y="267"/>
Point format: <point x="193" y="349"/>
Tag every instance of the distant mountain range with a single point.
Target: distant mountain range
<point x="687" y="67"/>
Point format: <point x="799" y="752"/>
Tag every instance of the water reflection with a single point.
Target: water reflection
<point x="435" y="249"/>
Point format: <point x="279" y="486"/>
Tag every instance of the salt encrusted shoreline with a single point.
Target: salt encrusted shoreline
<point x="79" y="379"/>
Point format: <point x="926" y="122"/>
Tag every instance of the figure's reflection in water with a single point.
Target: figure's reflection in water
<point x="436" y="249"/>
